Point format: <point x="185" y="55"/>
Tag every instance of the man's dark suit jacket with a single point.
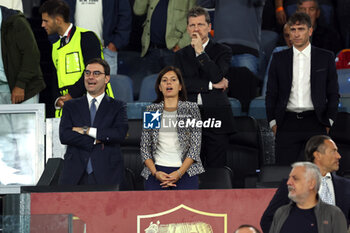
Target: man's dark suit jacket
<point x="212" y="66"/>
<point x="112" y="125"/>
<point x="342" y="200"/>
<point x="324" y="85"/>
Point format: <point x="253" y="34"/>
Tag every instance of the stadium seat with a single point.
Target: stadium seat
<point x="236" y="106"/>
<point x="122" y="88"/>
<point x="270" y="176"/>
<point x="344" y="103"/>
<point x="136" y="109"/>
<point x="245" y="152"/>
<point x="344" y="81"/>
<point x="131" y="154"/>
<point x="147" y="92"/>
<point x="216" y="178"/>
<point x="257" y="108"/>
<point x="51" y="173"/>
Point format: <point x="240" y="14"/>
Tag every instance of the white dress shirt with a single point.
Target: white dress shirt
<point x="300" y="94"/>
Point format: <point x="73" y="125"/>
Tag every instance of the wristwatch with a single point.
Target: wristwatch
<point x="85" y="129"/>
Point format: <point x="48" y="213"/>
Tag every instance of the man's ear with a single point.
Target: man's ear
<point x="312" y="184"/>
<point x="107" y="79"/>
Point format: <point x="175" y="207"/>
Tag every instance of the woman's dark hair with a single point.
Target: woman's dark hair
<point x="182" y="93"/>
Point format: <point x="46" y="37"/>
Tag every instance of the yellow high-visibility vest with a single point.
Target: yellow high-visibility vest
<point x="69" y="63"/>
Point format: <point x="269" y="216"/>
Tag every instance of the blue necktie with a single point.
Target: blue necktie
<point x="92" y="110"/>
<point x="89" y="168"/>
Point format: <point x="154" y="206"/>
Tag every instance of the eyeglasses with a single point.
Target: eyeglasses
<point x="95" y="73"/>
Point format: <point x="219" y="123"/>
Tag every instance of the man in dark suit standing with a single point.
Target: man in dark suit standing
<point x="335" y="190"/>
<point x="93" y="126"/>
<point x="204" y="65"/>
<point x="302" y="92"/>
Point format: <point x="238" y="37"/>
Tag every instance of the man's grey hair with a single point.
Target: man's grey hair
<point x="311" y="171"/>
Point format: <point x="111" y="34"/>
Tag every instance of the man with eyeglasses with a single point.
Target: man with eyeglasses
<point x="70" y="53"/>
<point x="93" y="126"/>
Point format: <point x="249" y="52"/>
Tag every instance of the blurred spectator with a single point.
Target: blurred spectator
<point x="164" y="31"/>
<point x="242" y="38"/>
<point x="322" y="37"/>
<point x="343" y="19"/>
<point x="204" y="65"/>
<point x="12" y="4"/>
<point x="285" y="8"/>
<point x="20" y="74"/>
<point x="288" y="42"/>
<point x="21" y="81"/>
<point x="69" y="54"/>
<point x="109" y="19"/>
<point x="246" y="228"/>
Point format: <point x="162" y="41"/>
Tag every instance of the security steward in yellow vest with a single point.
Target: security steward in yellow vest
<point x="70" y="53"/>
<point x="70" y="64"/>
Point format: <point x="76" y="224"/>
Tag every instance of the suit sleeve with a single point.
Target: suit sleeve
<point x="122" y="29"/>
<point x="216" y="70"/>
<point x="279" y="199"/>
<point x="30" y="59"/>
<point x="91" y="48"/>
<point x="117" y="132"/>
<point x="271" y="90"/>
<point x="199" y="71"/>
<point x="332" y="90"/>
<point x="67" y="135"/>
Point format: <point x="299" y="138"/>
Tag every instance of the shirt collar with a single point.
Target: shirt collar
<point x="306" y="52"/>
<point x="98" y="98"/>
<point x="328" y="175"/>
<point x="67" y="31"/>
<point x="205" y="44"/>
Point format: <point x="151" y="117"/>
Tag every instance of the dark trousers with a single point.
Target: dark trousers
<point x="292" y="135"/>
<point x="185" y="183"/>
<point x="213" y="149"/>
<point x="156" y="59"/>
<point x="87" y="179"/>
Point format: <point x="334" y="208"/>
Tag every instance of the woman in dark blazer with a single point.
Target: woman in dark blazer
<point x="171" y="152"/>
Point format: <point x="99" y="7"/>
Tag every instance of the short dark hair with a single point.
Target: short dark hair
<point x="299" y="18"/>
<point x="54" y="8"/>
<point x="248" y="226"/>
<point x="102" y="62"/>
<point x="198" y="11"/>
<point x="182" y="93"/>
<point x="300" y="2"/>
<point x="315" y="143"/>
